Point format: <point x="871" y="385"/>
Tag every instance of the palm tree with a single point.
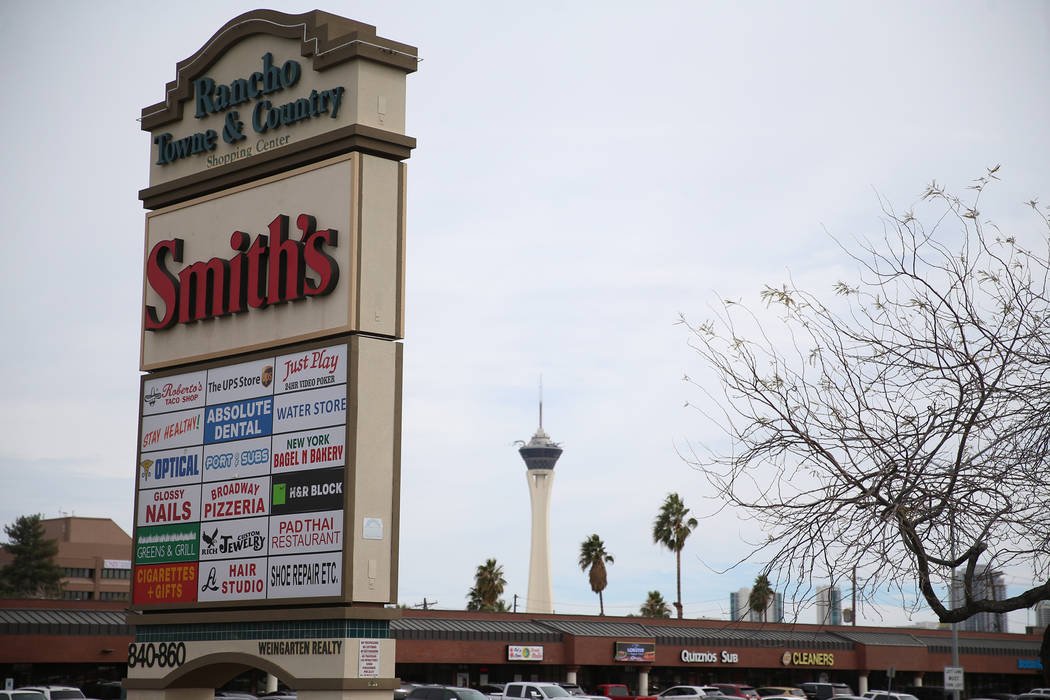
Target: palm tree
<point x="671" y="529"/>
<point x="655" y="606"/>
<point x="488" y="587"/>
<point x="761" y="595"/>
<point x="594" y="556"/>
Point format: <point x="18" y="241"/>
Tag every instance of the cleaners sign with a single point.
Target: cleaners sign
<point x="241" y="474"/>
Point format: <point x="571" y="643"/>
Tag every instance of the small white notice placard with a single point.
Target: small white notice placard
<point x="368" y="658"/>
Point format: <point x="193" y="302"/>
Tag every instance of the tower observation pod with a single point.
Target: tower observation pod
<point x="540" y="455"/>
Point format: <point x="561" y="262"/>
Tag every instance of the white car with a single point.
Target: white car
<point x="888" y="695"/>
<point x="21" y="695"/>
<point x="56" y="692"/>
<point x="689" y="692"/>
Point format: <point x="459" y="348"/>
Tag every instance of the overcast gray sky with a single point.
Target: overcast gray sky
<point x="585" y="172"/>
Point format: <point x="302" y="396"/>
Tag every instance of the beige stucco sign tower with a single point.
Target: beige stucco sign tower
<point x="268" y="458"/>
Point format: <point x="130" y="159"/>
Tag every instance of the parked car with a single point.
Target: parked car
<point x="20" y="695"/>
<point x="56" y="692"/>
<point x="493" y="690"/>
<point x="105" y="690"/>
<point x="406" y="688"/>
<point x="690" y="692"/>
<point x="280" y="695"/>
<point x="887" y="695"/>
<point x="444" y="692"/>
<point x="618" y="691"/>
<point x="573" y="688"/>
<point x="823" y="691"/>
<point x="737" y="690"/>
<point x="780" y="690"/>
<point x="541" y="690"/>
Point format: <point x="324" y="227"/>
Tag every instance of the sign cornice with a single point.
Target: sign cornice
<point x="326" y="39"/>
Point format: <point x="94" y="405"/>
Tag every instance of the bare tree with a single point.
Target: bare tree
<point x="899" y="423"/>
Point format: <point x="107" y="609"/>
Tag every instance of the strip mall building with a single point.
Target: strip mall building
<point x="69" y="641"/>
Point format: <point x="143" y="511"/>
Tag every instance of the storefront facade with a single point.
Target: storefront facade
<point x="479" y="648"/>
<point x="465" y="648"/>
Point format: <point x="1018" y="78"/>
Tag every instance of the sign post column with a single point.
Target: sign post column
<point x="268" y="459"/>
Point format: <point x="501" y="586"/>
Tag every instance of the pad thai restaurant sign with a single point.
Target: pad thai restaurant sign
<point x="272" y="91"/>
<point x="310" y="253"/>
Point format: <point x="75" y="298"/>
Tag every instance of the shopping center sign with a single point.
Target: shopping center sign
<point x="268" y="456"/>
<point x="273" y="91"/>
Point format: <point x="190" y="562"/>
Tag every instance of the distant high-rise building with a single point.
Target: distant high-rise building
<point x="1042" y="614"/>
<point x="987" y="585"/>
<point x="740" y="607"/>
<point x="829" y="606"/>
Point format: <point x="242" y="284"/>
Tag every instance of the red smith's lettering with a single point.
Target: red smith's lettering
<point x="271" y="270"/>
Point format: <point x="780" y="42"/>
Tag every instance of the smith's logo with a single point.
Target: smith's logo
<point x="271" y="270"/>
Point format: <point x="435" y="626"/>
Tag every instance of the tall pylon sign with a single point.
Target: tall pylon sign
<point x="268" y="459"/>
<point x="540" y="455"/>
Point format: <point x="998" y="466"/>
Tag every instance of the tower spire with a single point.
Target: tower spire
<point x="541" y="402"/>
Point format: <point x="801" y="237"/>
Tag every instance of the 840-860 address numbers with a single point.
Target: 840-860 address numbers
<point x="164" y="655"/>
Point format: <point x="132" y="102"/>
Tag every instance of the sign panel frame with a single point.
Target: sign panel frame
<point x="176" y="554"/>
